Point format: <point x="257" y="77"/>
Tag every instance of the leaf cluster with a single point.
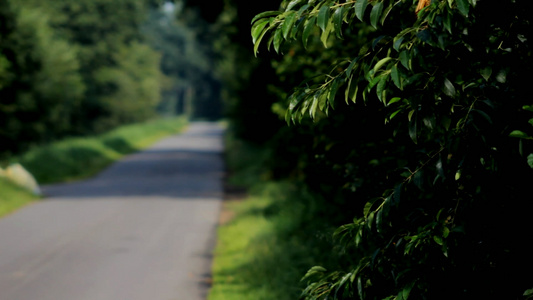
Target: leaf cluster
<point x="447" y="81"/>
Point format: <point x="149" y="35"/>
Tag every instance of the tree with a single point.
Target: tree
<point x="40" y="84"/>
<point x="187" y="62"/>
<point x="448" y="79"/>
<point x="103" y="32"/>
<point x="242" y="77"/>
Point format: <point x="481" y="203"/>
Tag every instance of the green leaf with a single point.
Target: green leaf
<point x="370" y="220"/>
<point x="265" y="15"/>
<point x="380" y="63"/>
<point x="301" y="10"/>
<point x="398" y="43"/>
<point x="288" y="116"/>
<point x="376" y="41"/>
<point x="337" y="20"/>
<point x="360" y="287"/>
<point x="357" y="238"/>
<point x="438" y="240"/>
<point x="404" y="293"/>
<point x="322" y="101"/>
<point x="367" y="209"/>
<point x="325" y="34"/>
<point x="519" y="134"/>
<point x="440" y="169"/>
<point x="288" y="24"/>
<point x="360" y="7"/>
<point x="379" y="219"/>
<point x="486" y="72"/>
<point x="351" y="66"/>
<point x="342" y="282"/>
<point x="380" y="89"/>
<point x="528" y="292"/>
<point x="386" y="14"/>
<point x="463" y="7"/>
<point x="445" y="232"/>
<point x="528" y="107"/>
<point x="375" y="14"/>
<point x="314" y="106"/>
<point x="447" y="22"/>
<point x="258" y="39"/>
<point x="323" y="15"/>
<point x="458" y="174"/>
<point x="395" y="75"/>
<point x="394" y="113"/>
<point x="394" y="100"/>
<point x="410" y="115"/>
<point x="277" y="40"/>
<point x="373" y="83"/>
<point x="308" y="28"/>
<point x="405" y="59"/>
<point x="530" y="160"/>
<point x="448" y="88"/>
<point x="314" y="271"/>
<point x="333" y="89"/>
<point x="292" y="4"/>
<point x="351" y="91"/>
<point x="257" y="29"/>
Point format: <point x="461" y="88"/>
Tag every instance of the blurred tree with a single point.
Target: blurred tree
<point x="193" y="88"/>
<point x="245" y="80"/>
<point x="40" y="86"/>
<point x="101" y="30"/>
<point x="133" y="85"/>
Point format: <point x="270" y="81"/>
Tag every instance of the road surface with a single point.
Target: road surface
<point x="144" y="229"/>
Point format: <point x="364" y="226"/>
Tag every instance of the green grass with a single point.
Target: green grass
<point x="273" y="238"/>
<point x="251" y="261"/>
<point x="78" y="158"/>
<point x="269" y="245"/>
<point x="13" y="197"/>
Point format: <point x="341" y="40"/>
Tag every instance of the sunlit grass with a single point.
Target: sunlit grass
<point x="265" y="250"/>
<point x="78" y="158"/>
<point x="13" y="197"/>
<point x="274" y="236"/>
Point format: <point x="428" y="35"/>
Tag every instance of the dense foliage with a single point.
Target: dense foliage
<point x="40" y="86"/>
<point x="427" y="138"/>
<point x="71" y="68"/>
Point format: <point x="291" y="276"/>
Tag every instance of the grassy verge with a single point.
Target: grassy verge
<point x="78" y="158"/>
<point x="257" y="256"/>
<point x="273" y="237"/>
<point x="13" y="197"/>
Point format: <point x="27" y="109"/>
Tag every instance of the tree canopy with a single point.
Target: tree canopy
<point x="77" y="68"/>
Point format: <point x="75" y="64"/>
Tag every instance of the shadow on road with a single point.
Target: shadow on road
<point x="186" y="166"/>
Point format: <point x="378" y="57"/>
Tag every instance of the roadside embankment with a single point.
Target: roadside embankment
<point x="82" y="157"/>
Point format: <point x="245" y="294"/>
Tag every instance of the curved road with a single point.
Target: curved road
<point x="143" y="229"/>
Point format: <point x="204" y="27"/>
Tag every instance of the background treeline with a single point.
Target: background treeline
<point x="72" y="68"/>
<point x="409" y="134"/>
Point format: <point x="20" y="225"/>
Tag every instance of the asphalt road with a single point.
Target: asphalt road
<point x="144" y="229"/>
